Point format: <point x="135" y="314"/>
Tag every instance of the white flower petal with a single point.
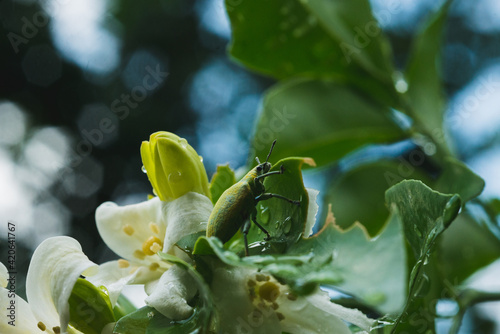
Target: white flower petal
<point x="312" y="211"/>
<point x="238" y="314"/>
<point x="4" y="275"/>
<point x="171" y="294"/>
<point x="317" y="314"/>
<point x="54" y="268"/>
<point x="113" y="278"/>
<point x="114" y="222"/>
<point x="22" y="316"/>
<point x="185" y="215"/>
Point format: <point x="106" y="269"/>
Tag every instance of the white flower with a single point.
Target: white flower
<point x="56" y="265"/>
<point x="137" y="233"/>
<point x="253" y="302"/>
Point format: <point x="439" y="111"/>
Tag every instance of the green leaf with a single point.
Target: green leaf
<point x="358" y="194"/>
<point x="363" y="262"/>
<point x="300" y="271"/>
<point x="425" y="213"/>
<point x="284" y="221"/>
<point x="321" y="120"/>
<point x="321" y="39"/>
<point x="136" y="322"/>
<point x="123" y="307"/>
<point x="163" y="325"/>
<point x="425" y="91"/>
<point x="221" y="180"/>
<point x="457" y="178"/>
<point x="187" y="242"/>
<point x="89" y="308"/>
<point x="343" y="258"/>
<point x="353" y="25"/>
<point x="466" y="247"/>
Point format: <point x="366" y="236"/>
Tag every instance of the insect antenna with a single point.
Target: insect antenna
<point x="271" y="150"/>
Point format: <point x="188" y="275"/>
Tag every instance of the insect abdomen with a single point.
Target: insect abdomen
<point x="230" y="212"/>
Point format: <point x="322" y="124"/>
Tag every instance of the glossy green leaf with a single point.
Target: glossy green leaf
<point x="89" y="308"/>
<point x="363" y="262"/>
<point x="333" y="256"/>
<point x="123" y="307"/>
<point x="136" y="322"/>
<point x="301" y="271"/>
<point x="457" y="178"/>
<point x="187" y="243"/>
<point x="334" y="39"/>
<point x="423" y="74"/>
<point x="425" y="213"/>
<point x="321" y="120"/>
<point x="221" y="180"/>
<point x="359" y="194"/>
<point x="284" y="221"/>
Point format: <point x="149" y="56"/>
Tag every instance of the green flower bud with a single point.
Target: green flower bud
<point x="173" y="166"/>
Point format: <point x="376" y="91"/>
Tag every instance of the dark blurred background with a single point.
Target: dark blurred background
<point x="84" y="82"/>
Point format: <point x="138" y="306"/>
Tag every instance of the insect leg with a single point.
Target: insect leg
<point x="254" y="219"/>
<point x="245" y="229"/>
<point x="265" y="196"/>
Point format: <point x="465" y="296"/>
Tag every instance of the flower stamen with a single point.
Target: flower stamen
<point x="139" y="254"/>
<point x="42" y="326"/>
<point x="123" y="263"/>
<point x="129" y="230"/>
<point x="154" y="228"/>
<point x="152" y="246"/>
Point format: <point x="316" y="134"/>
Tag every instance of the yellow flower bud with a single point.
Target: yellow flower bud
<point x="173" y="166"/>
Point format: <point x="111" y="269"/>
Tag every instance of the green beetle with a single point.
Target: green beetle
<point x="238" y="203"/>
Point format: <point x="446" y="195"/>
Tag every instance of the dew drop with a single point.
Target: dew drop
<point x="201" y="158"/>
<point x="417" y="231"/>
<point x="287" y="225"/>
<point x="401" y="85"/>
<point x="174" y="177"/>
<point x="423" y="286"/>
<point x="183" y="142"/>
<point x="277" y="225"/>
<point x="335" y="254"/>
<point x="144" y="169"/>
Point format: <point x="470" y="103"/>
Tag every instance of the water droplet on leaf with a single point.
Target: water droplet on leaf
<point x="174" y="177"/>
<point x="183" y="142"/>
<point x="287" y="225"/>
<point x="422" y="286"/>
<point x="144" y="169"/>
